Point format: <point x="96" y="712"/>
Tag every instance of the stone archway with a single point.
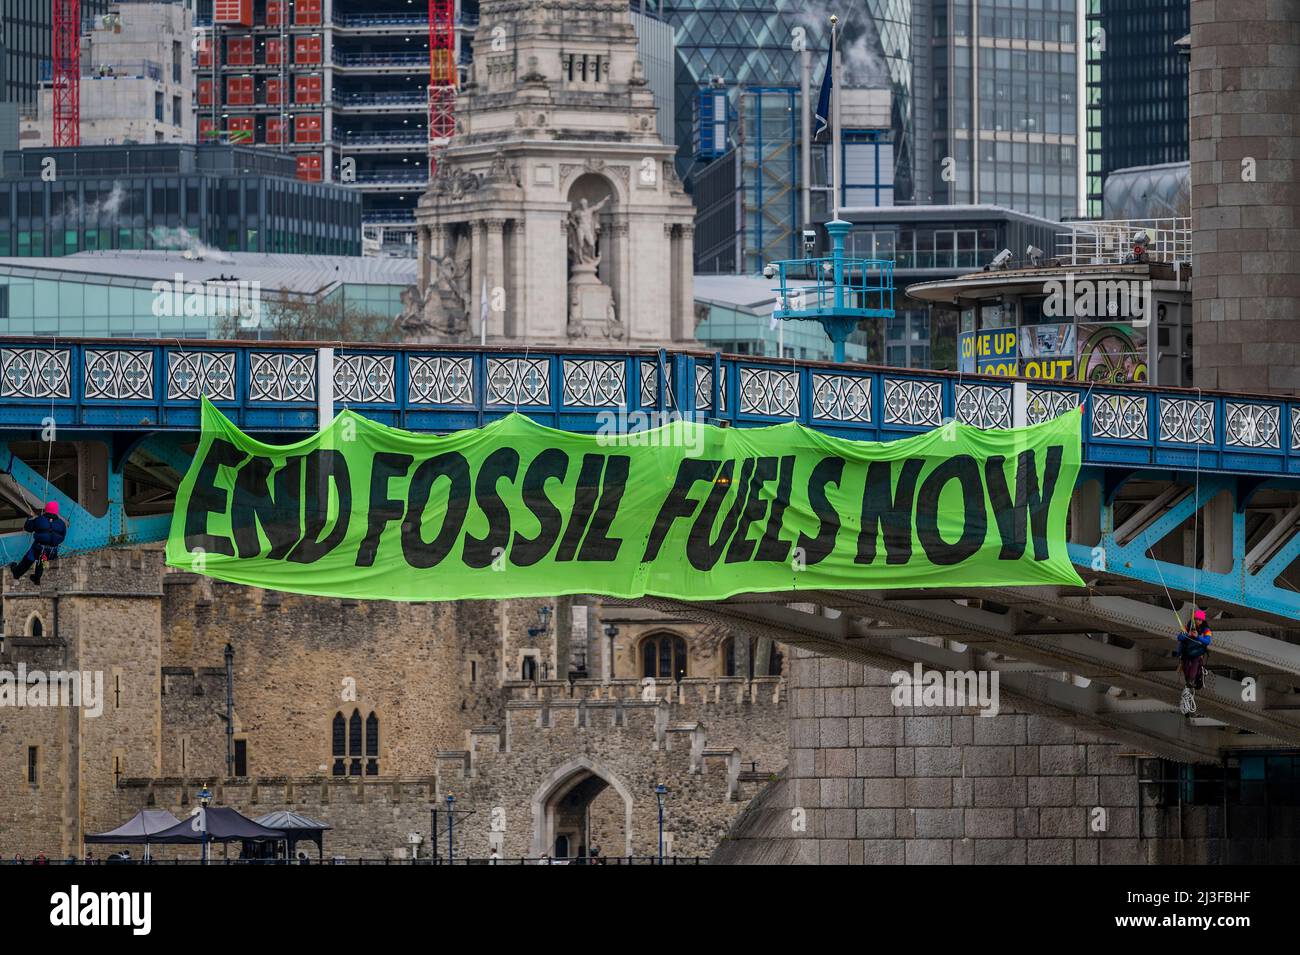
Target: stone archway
<point x="563" y="805"/>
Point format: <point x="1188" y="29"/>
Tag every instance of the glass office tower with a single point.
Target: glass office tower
<point x="734" y="43"/>
<point x="1137" y="87"/>
<point x="1003" y="122"/>
<point x="28" y="39"/>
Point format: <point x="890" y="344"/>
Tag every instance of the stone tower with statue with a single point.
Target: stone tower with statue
<point x="556" y="204"/>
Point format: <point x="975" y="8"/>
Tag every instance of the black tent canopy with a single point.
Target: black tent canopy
<point x="296" y="827"/>
<point x="223" y="825"/>
<point x="143" y="827"/>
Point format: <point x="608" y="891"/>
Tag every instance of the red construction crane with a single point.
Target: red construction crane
<point x="442" y="76"/>
<point x="66" y="74"/>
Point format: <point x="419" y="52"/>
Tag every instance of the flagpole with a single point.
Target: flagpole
<point x="835" y="118"/>
<point x="805" y="130"/>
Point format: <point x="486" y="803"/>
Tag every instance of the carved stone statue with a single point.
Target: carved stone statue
<point x="584" y="232"/>
<point x="440" y="311"/>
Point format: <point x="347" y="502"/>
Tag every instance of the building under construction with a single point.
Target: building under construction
<point x="342" y="85"/>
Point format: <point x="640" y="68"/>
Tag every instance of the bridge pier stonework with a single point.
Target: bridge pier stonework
<point x="871" y="783"/>
<point x="1244" y="141"/>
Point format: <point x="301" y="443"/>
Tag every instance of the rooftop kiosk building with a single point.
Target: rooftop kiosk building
<point x="1099" y="310"/>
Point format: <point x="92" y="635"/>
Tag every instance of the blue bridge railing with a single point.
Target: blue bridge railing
<point x="147" y="386"/>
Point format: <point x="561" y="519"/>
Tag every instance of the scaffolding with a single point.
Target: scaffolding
<point x="66" y="74"/>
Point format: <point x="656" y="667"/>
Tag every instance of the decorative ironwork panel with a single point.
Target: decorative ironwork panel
<point x="1186" y="420"/>
<point x="913" y="402"/>
<point x="841" y="397"/>
<point x="594" y="383"/>
<point x="192" y="374"/>
<point x="1043" y="406"/>
<point x="35" y="373"/>
<point x="704" y="390"/>
<point x="984" y="406"/>
<point x="1295" y="429"/>
<point x="1120" y="416"/>
<point x="119" y="374"/>
<point x="518" y="381"/>
<point x="440" y="380"/>
<point x="769" y="391"/>
<point x="281" y="376"/>
<point x="650" y="386"/>
<point x="365" y="378"/>
<point x="1252" y="426"/>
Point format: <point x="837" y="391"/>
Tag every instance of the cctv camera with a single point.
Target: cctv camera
<point x="1035" y="254"/>
<point x="1001" y="260"/>
<point x="769" y="271"/>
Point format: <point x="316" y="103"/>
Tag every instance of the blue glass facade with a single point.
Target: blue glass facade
<point x="749" y="43"/>
<point x="61" y="201"/>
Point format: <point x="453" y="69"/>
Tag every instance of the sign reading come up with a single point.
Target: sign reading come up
<point x="689" y="511"/>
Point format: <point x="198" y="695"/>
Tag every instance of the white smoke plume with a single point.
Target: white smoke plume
<point x="185" y="240"/>
<point x="860" y="50"/>
<point x="103" y="212"/>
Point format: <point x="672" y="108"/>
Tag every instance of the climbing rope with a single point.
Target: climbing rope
<point x="1196" y="515"/>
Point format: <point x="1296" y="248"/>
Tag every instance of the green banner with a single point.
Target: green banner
<point x="690" y="511"/>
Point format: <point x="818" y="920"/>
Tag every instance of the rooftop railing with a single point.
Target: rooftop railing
<point x="1109" y="241"/>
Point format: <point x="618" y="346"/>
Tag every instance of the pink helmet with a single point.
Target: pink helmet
<point x="1199" y="616"/>
<point x="52" y="507"/>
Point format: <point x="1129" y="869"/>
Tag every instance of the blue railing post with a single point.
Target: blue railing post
<point x="837" y="326"/>
<point x="837" y="229"/>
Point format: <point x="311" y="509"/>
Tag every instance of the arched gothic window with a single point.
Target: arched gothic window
<point x="663" y="657"/>
<point x="348" y="746"/>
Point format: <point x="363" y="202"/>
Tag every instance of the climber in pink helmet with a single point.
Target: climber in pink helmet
<point x="48" y="531"/>
<point x="1193" y="645"/>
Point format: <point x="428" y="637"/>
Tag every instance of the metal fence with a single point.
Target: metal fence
<point x="1107" y="241"/>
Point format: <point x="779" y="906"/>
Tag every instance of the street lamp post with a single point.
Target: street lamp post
<point x="660" y="791"/>
<point x="451" y="823"/>
<point x="611" y="631"/>
<point x="205" y="798"/>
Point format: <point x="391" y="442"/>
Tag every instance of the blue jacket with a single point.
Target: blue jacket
<point x="47" y="530"/>
<point x="1194" y="644"/>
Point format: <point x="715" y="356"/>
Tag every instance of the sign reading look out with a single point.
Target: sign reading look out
<point x="689" y="511"/>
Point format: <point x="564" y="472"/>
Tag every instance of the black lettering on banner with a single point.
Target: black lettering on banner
<point x="206" y="498"/>
<point x="272" y="504"/>
<point x="742" y="548"/>
<point x="964" y="470"/>
<point x="480" y="551"/>
<point x="453" y="466"/>
<point x="1029" y="508"/>
<point x="584" y="500"/>
<point x="679" y="504"/>
<point x="893" y="515"/>
<point x="551" y="464"/>
<point x="773" y="546"/>
<point x="598" y="545"/>
<point x="321" y="468"/>
<point x="703" y="550"/>
<point x="383" y="510"/>
<point x="816" y="549"/>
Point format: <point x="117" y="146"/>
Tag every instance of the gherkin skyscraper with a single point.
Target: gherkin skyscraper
<point x="752" y="43"/>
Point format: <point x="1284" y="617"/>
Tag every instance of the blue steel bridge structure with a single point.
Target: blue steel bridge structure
<point x="1184" y="496"/>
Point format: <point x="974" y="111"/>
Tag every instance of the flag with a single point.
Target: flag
<point x="823" y="114"/>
